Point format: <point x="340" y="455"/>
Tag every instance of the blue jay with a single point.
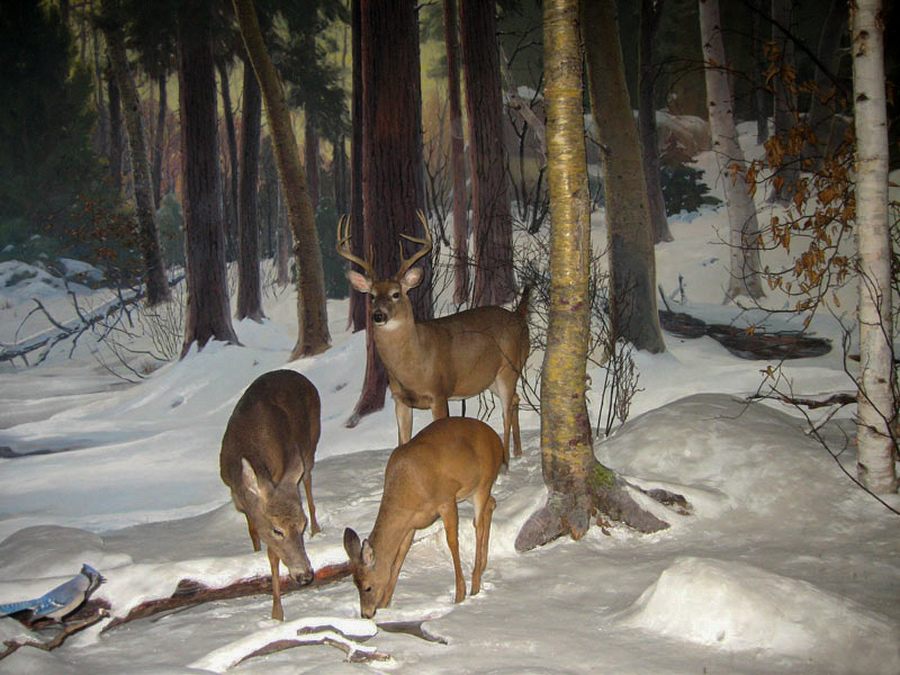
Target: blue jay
<point x="62" y="600"/>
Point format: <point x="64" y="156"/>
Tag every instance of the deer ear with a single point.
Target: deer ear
<point x="252" y="481"/>
<point x="412" y="278"/>
<point x="351" y="544"/>
<point x="359" y="281"/>
<point x="368" y="554"/>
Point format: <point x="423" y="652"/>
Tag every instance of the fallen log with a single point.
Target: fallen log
<point x="189" y="593"/>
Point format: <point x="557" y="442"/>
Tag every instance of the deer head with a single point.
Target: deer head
<point x="391" y="305"/>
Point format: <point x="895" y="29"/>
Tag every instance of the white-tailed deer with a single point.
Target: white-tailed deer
<point x="268" y="447"/>
<point x="453" y="357"/>
<point x="450" y="460"/>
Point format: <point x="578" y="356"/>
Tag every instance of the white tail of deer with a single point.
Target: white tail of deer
<point x="268" y="447"/>
<point x="450" y="460"/>
<point x="453" y="357"/>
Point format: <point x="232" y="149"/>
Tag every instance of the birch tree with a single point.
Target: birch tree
<point x="742" y="221"/>
<point x="877" y="451"/>
<point x="577" y="483"/>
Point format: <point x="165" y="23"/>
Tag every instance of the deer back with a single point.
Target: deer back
<point x="269" y="443"/>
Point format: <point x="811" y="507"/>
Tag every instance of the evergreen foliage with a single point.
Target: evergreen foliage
<point x="51" y="182"/>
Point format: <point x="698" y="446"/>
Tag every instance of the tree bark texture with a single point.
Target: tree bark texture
<point x="457" y="158"/>
<point x="208" y="315"/>
<point x="491" y="217"/>
<point x="145" y="211"/>
<point x="231" y="204"/>
<point x="159" y="139"/>
<point x="743" y="224"/>
<point x="116" y="140"/>
<point x="876" y="447"/>
<point x="392" y="161"/>
<point x="632" y="262"/>
<point x="312" y="316"/>
<point x="651" y="10"/>
<point x="783" y="84"/>
<point x="249" y="295"/>
<point x="358" y="302"/>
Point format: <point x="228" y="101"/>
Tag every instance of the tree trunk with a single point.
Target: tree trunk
<point x="358" y="301"/>
<point x="231" y="204"/>
<point x="786" y="112"/>
<point x="492" y="220"/>
<point x="159" y="140"/>
<point x="876" y="380"/>
<point x="651" y="11"/>
<point x="821" y="114"/>
<point x="148" y="233"/>
<point x="744" y="228"/>
<point x="311" y="159"/>
<point x="312" y="316"/>
<point x="632" y="263"/>
<point x="116" y="140"/>
<point x="457" y="159"/>
<point x="392" y="159"/>
<point x="577" y="482"/>
<point x="760" y="99"/>
<point x="208" y="315"/>
<point x="249" y="296"/>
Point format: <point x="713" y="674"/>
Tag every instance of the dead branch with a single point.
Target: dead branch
<point x="355" y="653"/>
<point x="189" y="593"/>
<point x="72" y="329"/>
<point x="414" y="628"/>
<point x="811" y="403"/>
<point x="67" y="629"/>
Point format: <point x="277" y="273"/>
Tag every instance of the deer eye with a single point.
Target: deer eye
<point x="395" y="295"/>
<point x="368" y="589"/>
<point x="278" y="533"/>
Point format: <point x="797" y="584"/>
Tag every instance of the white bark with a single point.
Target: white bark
<point x="875" y="463"/>
<point x="745" y="277"/>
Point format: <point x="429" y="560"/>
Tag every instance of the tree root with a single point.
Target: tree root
<point x="68" y="628"/>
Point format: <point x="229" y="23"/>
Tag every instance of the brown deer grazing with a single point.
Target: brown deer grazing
<point x="450" y="460"/>
<point x="453" y="357"/>
<point x="269" y="445"/>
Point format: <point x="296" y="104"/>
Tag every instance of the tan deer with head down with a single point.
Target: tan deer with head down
<point x="450" y="460"/>
<point x="268" y="447"/>
<point x="453" y="357"/>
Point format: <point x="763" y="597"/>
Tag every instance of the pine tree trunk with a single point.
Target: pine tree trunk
<point x="744" y="228"/>
<point x="877" y="409"/>
<point x="457" y="159"/>
<point x="358" y="301"/>
<point x="249" y="296"/>
<point x="148" y="233"/>
<point x="208" y="315"/>
<point x="231" y="204"/>
<point x="650" y="14"/>
<point x="392" y="160"/>
<point x="159" y="140"/>
<point x="492" y="220"/>
<point x="632" y="261"/>
<point x="312" y="316"/>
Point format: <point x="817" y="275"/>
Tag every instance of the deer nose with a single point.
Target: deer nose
<point x="305" y="577"/>
<point x="379" y="317"/>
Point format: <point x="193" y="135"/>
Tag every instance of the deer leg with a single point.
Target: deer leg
<point x="517" y="437"/>
<point x="277" y="610"/>
<point x="307" y="485"/>
<point x="395" y="569"/>
<point x="440" y="408"/>
<point x="483" y="518"/>
<point x="450" y="516"/>
<point x="254" y="535"/>
<point x="404" y="421"/>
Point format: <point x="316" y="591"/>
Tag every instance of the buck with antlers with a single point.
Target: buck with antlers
<point x="453" y="357"/>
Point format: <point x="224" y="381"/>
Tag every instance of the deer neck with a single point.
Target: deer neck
<point x="399" y="343"/>
<point x="387" y="536"/>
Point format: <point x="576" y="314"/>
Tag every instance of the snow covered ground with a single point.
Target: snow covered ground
<point x="784" y="566"/>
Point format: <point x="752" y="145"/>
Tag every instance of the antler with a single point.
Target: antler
<point x="406" y="263"/>
<point x="343" y="249"/>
